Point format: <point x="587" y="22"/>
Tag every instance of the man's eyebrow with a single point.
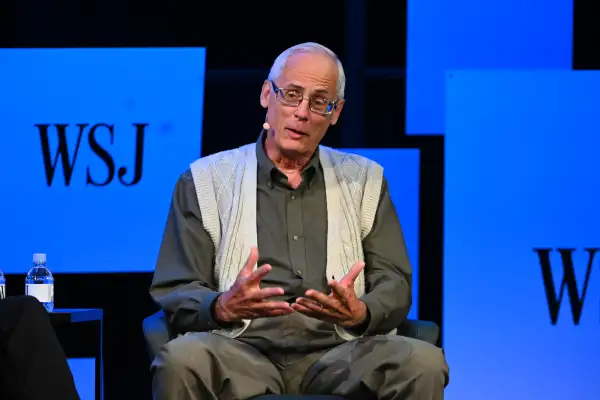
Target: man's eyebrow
<point x="299" y="87"/>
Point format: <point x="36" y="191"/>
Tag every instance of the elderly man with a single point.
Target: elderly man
<point x="283" y="267"/>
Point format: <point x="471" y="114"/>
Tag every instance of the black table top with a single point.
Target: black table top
<point x="74" y="315"/>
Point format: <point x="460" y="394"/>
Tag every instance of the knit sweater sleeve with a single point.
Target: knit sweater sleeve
<point x="184" y="285"/>
<point x="388" y="274"/>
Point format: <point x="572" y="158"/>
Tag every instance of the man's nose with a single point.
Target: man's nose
<point x="303" y="110"/>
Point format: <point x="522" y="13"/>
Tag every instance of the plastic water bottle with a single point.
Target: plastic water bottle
<point x="39" y="282"/>
<point x="2" y="286"/>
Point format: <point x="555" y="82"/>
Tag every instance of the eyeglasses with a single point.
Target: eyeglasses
<point x="293" y="97"/>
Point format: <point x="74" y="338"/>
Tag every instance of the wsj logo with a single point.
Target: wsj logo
<point x="569" y="281"/>
<point x="68" y="156"/>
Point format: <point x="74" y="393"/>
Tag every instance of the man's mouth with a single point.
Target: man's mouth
<point x="297" y="132"/>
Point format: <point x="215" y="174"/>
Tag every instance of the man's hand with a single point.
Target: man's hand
<point x="341" y="307"/>
<point x="246" y="300"/>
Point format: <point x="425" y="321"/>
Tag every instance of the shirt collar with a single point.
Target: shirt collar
<point x="266" y="167"/>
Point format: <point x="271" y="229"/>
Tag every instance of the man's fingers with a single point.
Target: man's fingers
<point x="304" y="310"/>
<point x="273" y="305"/>
<point x="313" y="310"/>
<point x="257" y="275"/>
<point x="340" y="291"/>
<point x="351" y="276"/>
<point x="308" y="303"/>
<point x="250" y="262"/>
<point x="266" y="293"/>
<point x="278" y="312"/>
<point x="323" y="299"/>
<point x="329" y="311"/>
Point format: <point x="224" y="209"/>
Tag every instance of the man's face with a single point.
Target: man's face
<point x="297" y="130"/>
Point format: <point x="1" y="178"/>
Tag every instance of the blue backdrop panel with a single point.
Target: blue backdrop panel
<point x="521" y="272"/>
<point x="84" y="370"/>
<point x="93" y="142"/>
<point x="471" y="34"/>
<point x="401" y="169"/>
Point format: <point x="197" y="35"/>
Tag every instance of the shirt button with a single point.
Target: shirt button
<point x="295" y="237"/>
<point x="299" y="272"/>
<point x="293" y="197"/>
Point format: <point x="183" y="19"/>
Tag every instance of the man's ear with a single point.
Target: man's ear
<point x="265" y="93"/>
<point x="336" y="113"/>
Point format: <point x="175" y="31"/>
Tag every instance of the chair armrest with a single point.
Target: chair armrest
<point x="156" y="332"/>
<point x="422" y="330"/>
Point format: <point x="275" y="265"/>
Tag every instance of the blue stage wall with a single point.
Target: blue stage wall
<point x="471" y="34"/>
<point x="522" y="237"/>
<point x="93" y="141"/>
<point x="83" y="370"/>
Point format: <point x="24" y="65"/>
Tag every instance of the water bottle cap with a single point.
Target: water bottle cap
<point x="39" y="258"/>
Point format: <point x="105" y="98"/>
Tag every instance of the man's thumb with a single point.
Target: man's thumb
<point x="251" y="262"/>
<point x="351" y="276"/>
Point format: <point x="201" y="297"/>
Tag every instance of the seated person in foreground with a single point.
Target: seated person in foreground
<point x="283" y="265"/>
<point x="33" y="365"/>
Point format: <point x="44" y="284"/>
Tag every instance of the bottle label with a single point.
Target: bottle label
<point x="2" y="291"/>
<point x="43" y="292"/>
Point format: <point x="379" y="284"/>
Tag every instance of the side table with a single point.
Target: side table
<point x="80" y="333"/>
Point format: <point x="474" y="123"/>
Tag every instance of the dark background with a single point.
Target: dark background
<point x="242" y="41"/>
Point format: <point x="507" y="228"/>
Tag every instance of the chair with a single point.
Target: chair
<point x="157" y="333"/>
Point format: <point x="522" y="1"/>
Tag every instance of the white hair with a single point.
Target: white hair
<point x="309" y="47"/>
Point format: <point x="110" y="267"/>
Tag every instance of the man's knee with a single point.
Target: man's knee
<point x="188" y="352"/>
<point x="426" y="360"/>
<point x="207" y="363"/>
